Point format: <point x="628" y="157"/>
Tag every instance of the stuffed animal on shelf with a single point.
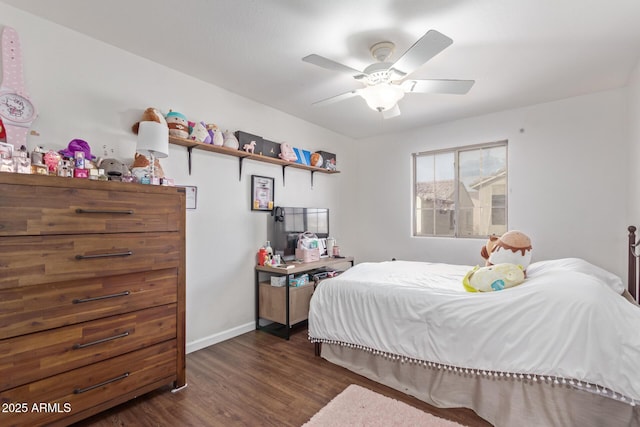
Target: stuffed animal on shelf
<point x="200" y="133"/>
<point x="512" y="247"/>
<point x="230" y="140"/>
<point x="494" y="278"/>
<point x="217" y="138"/>
<point x="330" y="164"/>
<point x="141" y="167"/>
<point x="178" y="124"/>
<point x="250" y="147"/>
<point x="149" y="115"/>
<point x="287" y="153"/>
<point x="316" y="160"/>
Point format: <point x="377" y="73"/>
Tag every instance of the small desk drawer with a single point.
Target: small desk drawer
<point x="37" y="308"/>
<point x="33" y="260"/>
<point x="29" y="357"/>
<point x="39" y="210"/>
<point x="78" y="390"/>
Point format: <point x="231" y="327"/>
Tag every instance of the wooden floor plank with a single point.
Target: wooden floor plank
<point x="255" y="379"/>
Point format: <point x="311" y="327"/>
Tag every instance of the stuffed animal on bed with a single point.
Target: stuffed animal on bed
<point x="513" y="247"/>
<point x="494" y="278"/>
<point x="488" y="248"/>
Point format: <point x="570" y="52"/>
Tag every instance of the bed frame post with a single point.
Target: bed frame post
<point x="632" y="284"/>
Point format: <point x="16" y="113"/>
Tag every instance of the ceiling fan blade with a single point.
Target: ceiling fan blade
<point x="337" y="98"/>
<point x="330" y="64"/>
<point x="393" y="112"/>
<point x="456" y="87"/>
<point x="428" y="46"/>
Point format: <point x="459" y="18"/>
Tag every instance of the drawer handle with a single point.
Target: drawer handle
<point x="105" y="211"/>
<point x="119" y="294"/>
<point x="127" y="253"/>
<point x="91" y="387"/>
<point x="100" y="341"/>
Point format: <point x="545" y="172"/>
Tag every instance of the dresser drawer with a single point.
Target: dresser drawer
<point x="33" y="260"/>
<point x="78" y="390"/>
<point x="30" y="357"/>
<point x="40" y="210"/>
<point x="37" y="308"/>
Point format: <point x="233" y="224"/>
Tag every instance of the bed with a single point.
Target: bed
<point x="558" y="350"/>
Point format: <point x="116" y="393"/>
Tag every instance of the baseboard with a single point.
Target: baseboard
<point x="219" y="337"/>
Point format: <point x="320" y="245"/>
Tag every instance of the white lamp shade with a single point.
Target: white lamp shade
<point x="383" y="96"/>
<point x="153" y="139"/>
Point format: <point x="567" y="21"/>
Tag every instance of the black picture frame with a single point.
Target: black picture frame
<point x="262" y="193"/>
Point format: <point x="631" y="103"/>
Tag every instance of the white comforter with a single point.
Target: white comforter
<point x="567" y="320"/>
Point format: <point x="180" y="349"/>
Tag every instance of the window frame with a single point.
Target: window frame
<point x="456" y="154"/>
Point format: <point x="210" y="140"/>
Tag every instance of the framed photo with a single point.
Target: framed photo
<point x="262" y="193"/>
<point x="6" y="150"/>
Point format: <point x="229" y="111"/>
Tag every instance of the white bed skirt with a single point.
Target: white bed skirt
<point x="504" y="402"/>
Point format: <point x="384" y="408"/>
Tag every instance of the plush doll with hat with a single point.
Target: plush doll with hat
<point x="149" y="115"/>
<point x="513" y="247"/>
<point x="178" y="124"/>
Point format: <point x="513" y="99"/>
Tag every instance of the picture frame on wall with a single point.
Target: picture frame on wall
<point x="262" y="193"/>
<point x="191" y="192"/>
<point x="6" y="150"/>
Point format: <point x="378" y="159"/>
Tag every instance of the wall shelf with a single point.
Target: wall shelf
<point x="241" y="155"/>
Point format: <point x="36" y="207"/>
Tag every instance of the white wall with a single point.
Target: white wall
<point x="634" y="153"/>
<point x="86" y="89"/>
<point x="567" y="182"/>
<point x="568" y="168"/>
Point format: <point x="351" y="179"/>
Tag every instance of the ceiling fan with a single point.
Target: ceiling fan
<point x="386" y="83"/>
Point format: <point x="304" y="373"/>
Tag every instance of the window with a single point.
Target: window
<point x="461" y="192"/>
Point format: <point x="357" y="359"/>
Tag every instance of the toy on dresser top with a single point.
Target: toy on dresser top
<point x="74" y="161"/>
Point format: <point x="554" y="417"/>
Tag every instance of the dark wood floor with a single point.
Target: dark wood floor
<point x="255" y="379"/>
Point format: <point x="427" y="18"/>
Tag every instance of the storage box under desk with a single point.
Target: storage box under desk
<point x="272" y="301"/>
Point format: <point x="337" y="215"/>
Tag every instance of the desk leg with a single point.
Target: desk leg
<point x="257" y="290"/>
<point x="286" y="301"/>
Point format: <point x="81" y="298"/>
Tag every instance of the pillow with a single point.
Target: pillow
<point x="581" y="266"/>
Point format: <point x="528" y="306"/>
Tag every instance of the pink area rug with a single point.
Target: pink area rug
<point x="358" y="406"/>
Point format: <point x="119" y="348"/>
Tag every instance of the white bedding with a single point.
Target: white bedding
<point x="566" y="321"/>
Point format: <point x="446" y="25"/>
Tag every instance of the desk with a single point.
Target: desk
<point x="288" y="306"/>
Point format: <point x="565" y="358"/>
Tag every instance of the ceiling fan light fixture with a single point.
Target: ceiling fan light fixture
<point x="383" y="96"/>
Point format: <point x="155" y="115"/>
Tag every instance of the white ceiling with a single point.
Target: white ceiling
<point x="519" y="52"/>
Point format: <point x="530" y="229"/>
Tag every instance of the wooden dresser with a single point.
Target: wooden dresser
<point x="92" y="295"/>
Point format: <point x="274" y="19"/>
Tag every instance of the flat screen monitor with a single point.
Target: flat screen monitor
<point x="287" y="223"/>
